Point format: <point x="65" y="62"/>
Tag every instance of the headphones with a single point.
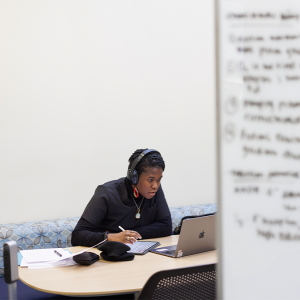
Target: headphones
<point x="132" y="174"/>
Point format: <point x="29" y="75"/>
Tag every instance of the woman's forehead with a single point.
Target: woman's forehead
<point x="153" y="171"/>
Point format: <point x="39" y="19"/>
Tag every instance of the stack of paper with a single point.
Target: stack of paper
<point x="46" y="258"/>
<point x="49" y="258"/>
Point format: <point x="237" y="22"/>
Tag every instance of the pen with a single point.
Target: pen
<point x="122" y="228"/>
<point x="56" y="252"/>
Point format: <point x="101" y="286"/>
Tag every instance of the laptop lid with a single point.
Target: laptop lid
<point x="197" y="235"/>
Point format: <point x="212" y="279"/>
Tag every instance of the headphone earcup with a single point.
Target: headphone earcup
<point x="134" y="177"/>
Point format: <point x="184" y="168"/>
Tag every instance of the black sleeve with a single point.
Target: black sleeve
<point x="85" y="234"/>
<point x="162" y="225"/>
<point x="160" y="228"/>
<point x="96" y="210"/>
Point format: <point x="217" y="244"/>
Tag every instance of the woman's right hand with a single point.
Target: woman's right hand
<point x="126" y="237"/>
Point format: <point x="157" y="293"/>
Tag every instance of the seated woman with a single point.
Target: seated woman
<point x="136" y="203"/>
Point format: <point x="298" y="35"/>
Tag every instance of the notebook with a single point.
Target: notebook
<point x="197" y="235"/>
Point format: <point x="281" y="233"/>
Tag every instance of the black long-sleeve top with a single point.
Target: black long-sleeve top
<point x="112" y="206"/>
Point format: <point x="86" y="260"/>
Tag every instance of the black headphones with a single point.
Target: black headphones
<point x="132" y="174"/>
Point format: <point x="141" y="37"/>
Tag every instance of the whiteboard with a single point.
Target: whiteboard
<point x="258" y="54"/>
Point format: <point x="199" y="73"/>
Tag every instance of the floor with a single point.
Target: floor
<point x="24" y="292"/>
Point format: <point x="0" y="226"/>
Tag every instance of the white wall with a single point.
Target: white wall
<point x="86" y="83"/>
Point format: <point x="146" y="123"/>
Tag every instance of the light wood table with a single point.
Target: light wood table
<point x="108" y="278"/>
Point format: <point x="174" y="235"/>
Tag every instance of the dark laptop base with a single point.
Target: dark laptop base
<point x="168" y="251"/>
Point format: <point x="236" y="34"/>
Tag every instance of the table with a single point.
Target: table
<point x="108" y="278"/>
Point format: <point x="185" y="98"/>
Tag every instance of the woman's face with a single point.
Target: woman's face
<point x="149" y="182"/>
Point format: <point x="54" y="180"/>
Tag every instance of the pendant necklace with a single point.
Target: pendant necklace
<point x="138" y="215"/>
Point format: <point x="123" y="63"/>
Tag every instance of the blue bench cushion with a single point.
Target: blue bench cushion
<point x="178" y="212"/>
<point x="37" y="235"/>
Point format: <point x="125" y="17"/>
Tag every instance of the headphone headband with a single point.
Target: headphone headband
<point x="132" y="174"/>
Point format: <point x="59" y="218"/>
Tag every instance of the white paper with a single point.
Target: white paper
<point x="43" y="255"/>
<point x="62" y="263"/>
<point x="46" y="258"/>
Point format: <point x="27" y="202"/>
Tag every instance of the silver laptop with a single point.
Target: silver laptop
<point x="197" y="235"/>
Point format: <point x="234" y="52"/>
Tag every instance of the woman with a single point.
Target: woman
<point x="136" y="203"/>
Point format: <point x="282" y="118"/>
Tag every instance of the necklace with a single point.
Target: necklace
<point x="138" y="215"/>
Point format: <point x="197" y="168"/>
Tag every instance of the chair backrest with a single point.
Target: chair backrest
<point x="198" y="282"/>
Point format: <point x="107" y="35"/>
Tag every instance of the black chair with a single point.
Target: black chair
<point x="199" y="282"/>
